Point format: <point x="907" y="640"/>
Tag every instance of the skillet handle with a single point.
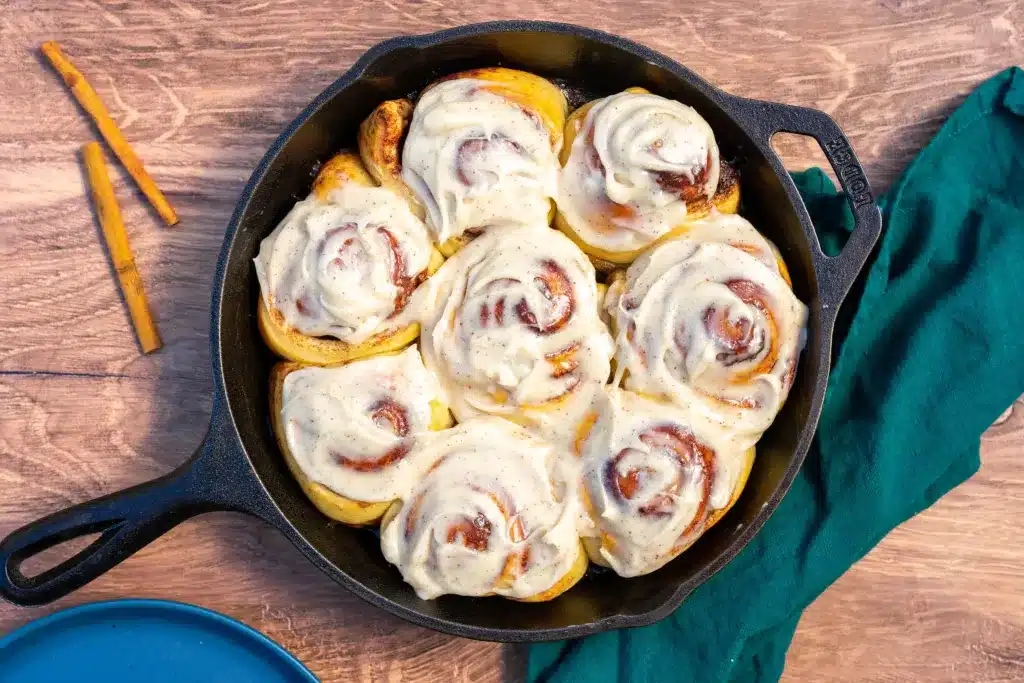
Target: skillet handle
<point x="837" y="272"/>
<point x="210" y="480"/>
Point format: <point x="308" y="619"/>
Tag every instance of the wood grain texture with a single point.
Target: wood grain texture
<point x="201" y="88"/>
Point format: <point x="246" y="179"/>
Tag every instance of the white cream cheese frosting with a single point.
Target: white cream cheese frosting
<point x="652" y="474"/>
<point x="709" y="325"/>
<point x="510" y="324"/>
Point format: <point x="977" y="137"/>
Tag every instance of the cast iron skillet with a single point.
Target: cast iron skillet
<point x="238" y="466"/>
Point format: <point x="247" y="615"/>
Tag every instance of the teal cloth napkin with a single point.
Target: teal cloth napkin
<point x="933" y="354"/>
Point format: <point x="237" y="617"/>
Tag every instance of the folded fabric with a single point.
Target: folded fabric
<point x="933" y="354"/>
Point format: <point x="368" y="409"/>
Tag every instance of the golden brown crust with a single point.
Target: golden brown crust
<point x="570" y="579"/>
<point x="726" y="199"/>
<point x="530" y="91"/>
<point x="381" y="137"/>
<point x="344" y="167"/>
<point x="741" y="482"/>
<point x="727" y="194"/>
<point x="293" y="345"/>
<point x="573" y="126"/>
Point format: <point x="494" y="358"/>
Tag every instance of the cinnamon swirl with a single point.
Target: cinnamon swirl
<point x="711" y="325"/>
<point x="381" y="137"/>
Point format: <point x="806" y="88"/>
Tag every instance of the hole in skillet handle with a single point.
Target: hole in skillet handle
<point x="212" y="479"/>
<point x="48" y="558"/>
<point x="801" y="152"/>
<point x="836" y="273"/>
<point x="807" y="165"/>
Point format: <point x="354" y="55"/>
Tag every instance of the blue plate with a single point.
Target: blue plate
<point x="155" y="641"/>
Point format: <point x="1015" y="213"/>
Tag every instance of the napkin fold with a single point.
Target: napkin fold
<point x="933" y="354"/>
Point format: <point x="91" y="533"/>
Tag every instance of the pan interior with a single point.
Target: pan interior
<point x="587" y="67"/>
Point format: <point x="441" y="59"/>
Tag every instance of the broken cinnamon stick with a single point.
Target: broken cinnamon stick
<point x="117" y="242"/>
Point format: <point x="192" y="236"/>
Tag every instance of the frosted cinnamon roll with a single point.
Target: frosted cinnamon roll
<point x="496" y="515"/>
<point x="637" y="167"/>
<point x="351" y="433"/>
<point x="511" y="326"/>
<point x="711" y="326"/>
<point x="337" y="273"/>
<point x="482" y="150"/>
<point x="655" y="477"/>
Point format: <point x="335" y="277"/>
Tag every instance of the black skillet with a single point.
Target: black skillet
<point x="238" y="466"/>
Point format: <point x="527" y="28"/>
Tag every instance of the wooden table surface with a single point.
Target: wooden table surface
<point x="202" y="88"/>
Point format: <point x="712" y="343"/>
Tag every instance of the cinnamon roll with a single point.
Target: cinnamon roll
<point x="655" y="477"/>
<point x="511" y="326"/>
<point x="481" y="150"/>
<point x="637" y="168"/>
<point x="351" y="433"/>
<point x="338" y="271"/>
<point x="711" y="325"/>
<point x="495" y="515"/>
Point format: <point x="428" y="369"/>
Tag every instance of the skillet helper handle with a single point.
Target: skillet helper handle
<point x="837" y="273"/>
<point x="127" y="521"/>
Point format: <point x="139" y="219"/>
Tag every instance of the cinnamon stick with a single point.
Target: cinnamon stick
<point x="94" y="107"/>
<point x="117" y="242"/>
